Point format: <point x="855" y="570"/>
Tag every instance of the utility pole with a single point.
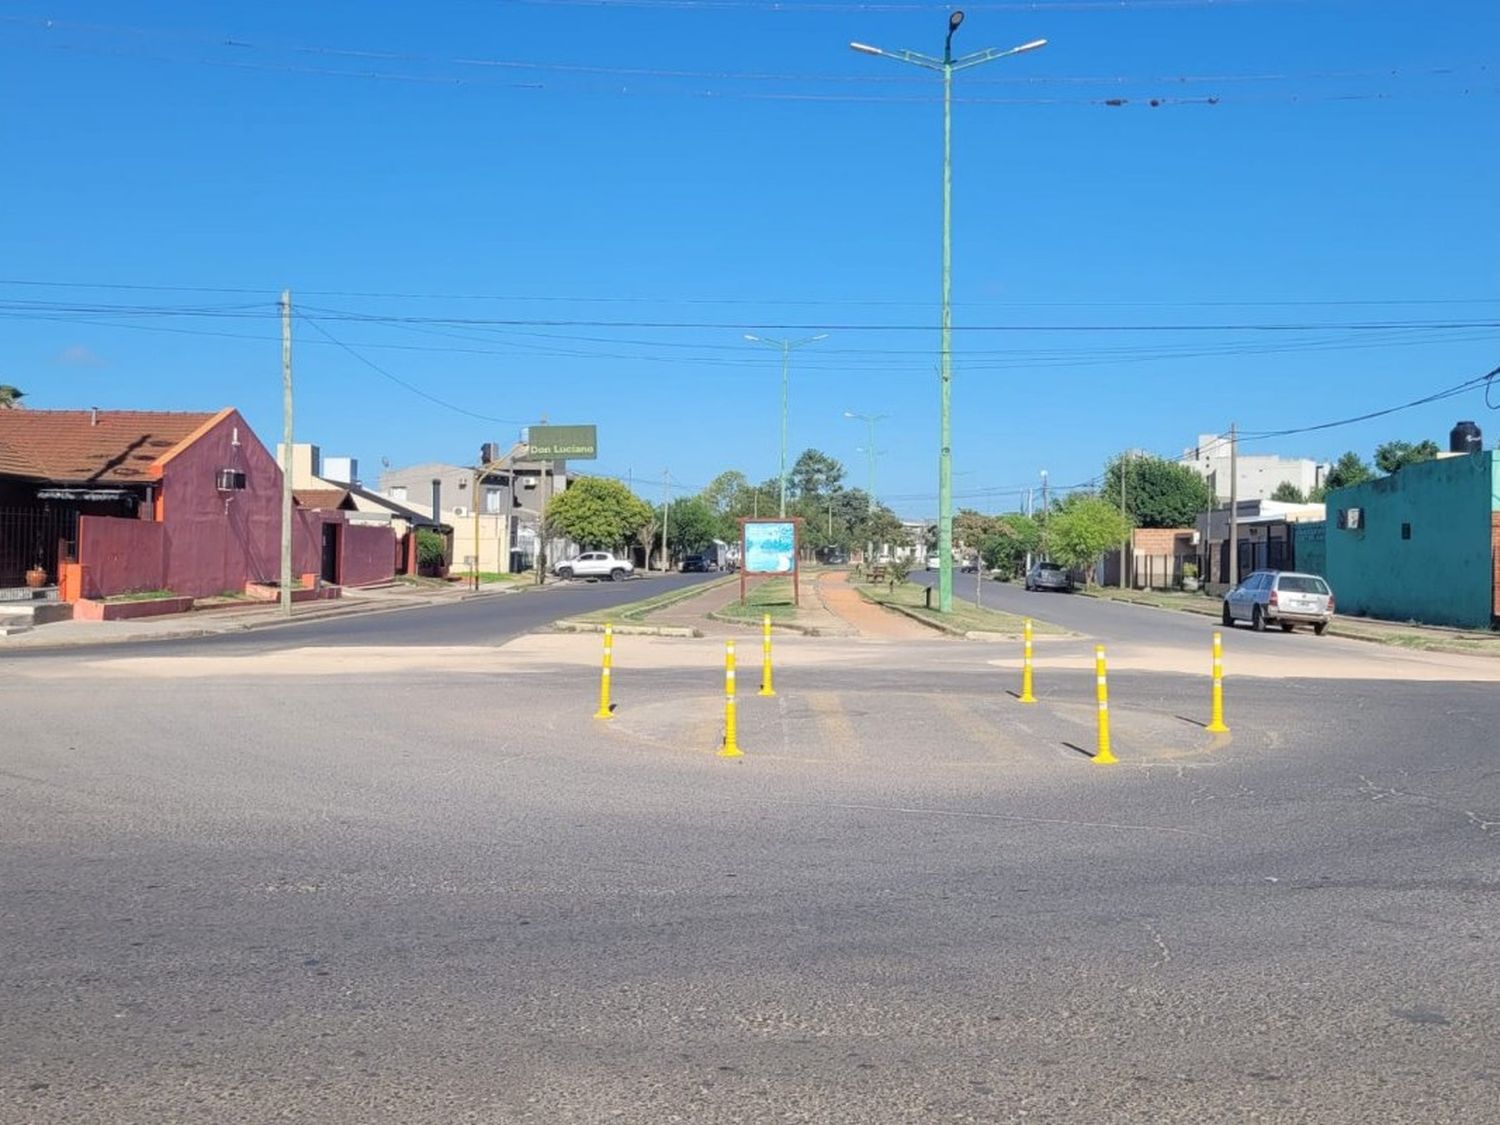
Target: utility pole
<point x="1234" y="507"/>
<point x="1125" y="546"/>
<point x="947" y="65"/>
<point x="286" y="458"/>
<point x="1045" y="511"/>
<point x="785" y="347"/>
<point x="666" y="507"/>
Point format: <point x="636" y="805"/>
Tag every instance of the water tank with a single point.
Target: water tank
<point x="1465" y="438"/>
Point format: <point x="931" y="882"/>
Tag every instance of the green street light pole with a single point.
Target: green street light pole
<point x="869" y="450"/>
<point x="785" y="347"/>
<point x="947" y="65"/>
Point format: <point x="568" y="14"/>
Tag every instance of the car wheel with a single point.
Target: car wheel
<point x="565" y="572"/>
<point x="616" y="575"/>
<point x="1287" y="626"/>
<point x="1258" y="620"/>
<point x="1320" y="628"/>
<point x="1228" y="618"/>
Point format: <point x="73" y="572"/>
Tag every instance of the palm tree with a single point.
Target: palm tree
<point x="10" y="396"/>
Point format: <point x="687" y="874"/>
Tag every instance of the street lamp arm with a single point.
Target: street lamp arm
<point x="925" y="61"/>
<point x="996" y="53"/>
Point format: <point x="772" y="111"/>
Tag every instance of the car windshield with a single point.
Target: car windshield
<point x="1302" y="584"/>
<point x="1048" y="566"/>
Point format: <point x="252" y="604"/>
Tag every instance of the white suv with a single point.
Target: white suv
<point x="596" y="564"/>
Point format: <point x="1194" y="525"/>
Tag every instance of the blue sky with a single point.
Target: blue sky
<point x="575" y="210"/>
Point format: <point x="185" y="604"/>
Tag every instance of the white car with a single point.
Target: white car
<point x="934" y="562"/>
<point x="596" y="564"/>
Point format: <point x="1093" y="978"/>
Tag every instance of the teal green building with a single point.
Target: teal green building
<point x="1417" y="545"/>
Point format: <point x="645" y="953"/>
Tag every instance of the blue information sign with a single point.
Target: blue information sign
<point x="770" y="547"/>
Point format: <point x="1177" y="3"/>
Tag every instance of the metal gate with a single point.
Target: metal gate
<point x="36" y="537"/>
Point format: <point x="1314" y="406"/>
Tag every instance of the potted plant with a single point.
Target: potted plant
<point x="1190" y="577"/>
<point x="36" y="577"/>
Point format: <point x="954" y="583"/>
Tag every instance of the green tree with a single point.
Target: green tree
<point x="1083" y="529"/>
<point x="1393" y="455"/>
<point x="432" y="549"/>
<point x="1012" y="538"/>
<point x="726" y="492"/>
<point x="10" y="396"/>
<point x="691" y="525"/>
<point x="815" y="474"/>
<point x="1288" y="493"/>
<point x="1158" y="492"/>
<point x="598" y="513"/>
<point x="970" y="528"/>
<point x="1347" y="470"/>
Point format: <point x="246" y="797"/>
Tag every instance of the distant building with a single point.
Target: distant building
<point x="499" y="528"/>
<point x="1259" y="474"/>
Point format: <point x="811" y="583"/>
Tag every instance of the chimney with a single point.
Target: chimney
<point x="437" y="500"/>
<point x="93" y="416"/>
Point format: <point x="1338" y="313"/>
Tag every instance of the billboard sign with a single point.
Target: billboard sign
<point x="562" y="443"/>
<point x="770" y="547"/>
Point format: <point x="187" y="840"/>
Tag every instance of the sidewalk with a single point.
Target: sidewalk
<point x="694" y="613"/>
<point x="240" y="617"/>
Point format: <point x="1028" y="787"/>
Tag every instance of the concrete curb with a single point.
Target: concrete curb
<point x="787" y="626"/>
<point x="680" y="631"/>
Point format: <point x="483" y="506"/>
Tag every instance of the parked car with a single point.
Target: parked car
<point x="1049" y="576"/>
<point x="596" y="564"/>
<point x="934" y="562"/>
<point x="1280" y="597"/>
<point x="698" y="564"/>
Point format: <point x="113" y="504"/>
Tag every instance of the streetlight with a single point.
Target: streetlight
<point x="947" y="65"/>
<point x="869" y="450"/>
<point x="785" y="347"/>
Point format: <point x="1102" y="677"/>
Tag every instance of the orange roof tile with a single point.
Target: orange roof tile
<point x="324" y="498"/>
<point x="78" y="446"/>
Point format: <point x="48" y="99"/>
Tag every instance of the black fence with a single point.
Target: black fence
<point x="35" y="537"/>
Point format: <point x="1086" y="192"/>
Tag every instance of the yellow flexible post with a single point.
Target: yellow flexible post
<point x="605" y="712"/>
<point x="1102" y="756"/>
<point x="1216" y="723"/>
<point x="731" y="747"/>
<point x="766" y="687"/>
<point x="1026" y="695"/>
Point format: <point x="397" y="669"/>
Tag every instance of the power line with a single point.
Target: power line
<point x="373" y="366"/>
<point x="1468" y="384"/>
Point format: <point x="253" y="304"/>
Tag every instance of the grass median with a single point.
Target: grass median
<point x="636" y="612"/>
<point x="772" y="596"/>
<point x="911" y="598"/>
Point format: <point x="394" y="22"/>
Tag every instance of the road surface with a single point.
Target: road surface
<point x="391" y="882"/>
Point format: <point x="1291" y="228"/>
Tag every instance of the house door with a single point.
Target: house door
<point x="330" y="570"/>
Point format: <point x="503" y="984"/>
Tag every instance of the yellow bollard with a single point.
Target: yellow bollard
<point x="605" y="711"/>
<point x="731" y="747"/>
<point x="1216" y="721"/>
<point x="1026" y="695"/>
<point x="765" y="659"/>
<point x="1102" y="756"/>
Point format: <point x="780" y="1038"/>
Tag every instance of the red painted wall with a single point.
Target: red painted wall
<point x="369" y="554"/>
<point x="120" y="556"/>
<point x="216" y="542"/>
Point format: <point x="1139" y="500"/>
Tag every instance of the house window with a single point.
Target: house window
<point x="491" y="500"/>
<point x="399" y="492"/>
<point x="1406" y="531"/>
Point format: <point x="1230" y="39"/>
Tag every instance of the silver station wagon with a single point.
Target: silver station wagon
<point x="1280" y="597"/>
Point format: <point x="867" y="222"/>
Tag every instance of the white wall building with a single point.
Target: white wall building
<point x="1259" y="474"/>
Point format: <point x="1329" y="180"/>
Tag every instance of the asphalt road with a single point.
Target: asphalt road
<point x="243" y="887"/>
<point x="1111" y="621"/>
<point x="488" y="620"/>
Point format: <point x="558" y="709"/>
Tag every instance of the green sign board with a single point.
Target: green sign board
<point x="563" y="443"/>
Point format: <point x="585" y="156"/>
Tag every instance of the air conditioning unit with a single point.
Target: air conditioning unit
<point x="460" y="512"/>
<point x="230" y="480"/>
<point x="1351" y="519"/>
<point x="529" y="483"/>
